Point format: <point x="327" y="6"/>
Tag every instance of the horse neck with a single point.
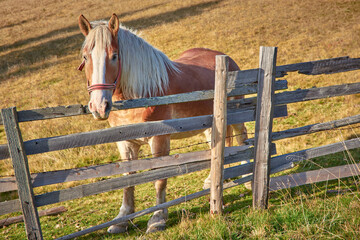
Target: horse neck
<point x="144" y="68"/>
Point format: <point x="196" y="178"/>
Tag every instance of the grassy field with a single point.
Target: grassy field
<point x="39" y="52"/>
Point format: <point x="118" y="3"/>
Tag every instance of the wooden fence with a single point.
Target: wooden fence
<point x="261" y="81"/>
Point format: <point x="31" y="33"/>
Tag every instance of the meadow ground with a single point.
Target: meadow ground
<point x="39" y="52"/>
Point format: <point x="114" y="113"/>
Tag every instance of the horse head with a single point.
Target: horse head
<point x="101" y="62"/>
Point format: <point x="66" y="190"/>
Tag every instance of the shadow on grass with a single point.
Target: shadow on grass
<point x="58" y="31"/>
<point x="20" y="61"/>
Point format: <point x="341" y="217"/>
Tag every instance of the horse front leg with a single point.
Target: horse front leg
<point x="160" y="146"/>
<point x="128" y="151"/>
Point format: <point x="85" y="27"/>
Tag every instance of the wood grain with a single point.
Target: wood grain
<point x="315" y="176"/>
<point x="21" y="169"/>
<point x="313" y="128"/>
<point x="234" y="154"/>
<point x="235" y="88"/>
<point x="46" y="212"/>
<point x="263" y="126"/>
<point x="218" y="135"/>
<point x="301" y="95"/>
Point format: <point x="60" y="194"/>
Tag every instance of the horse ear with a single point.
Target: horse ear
<point x="84" y="25"/>
<point x="114" y="24"/>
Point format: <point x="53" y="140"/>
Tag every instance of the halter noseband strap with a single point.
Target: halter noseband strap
<point x="102" y="86"/>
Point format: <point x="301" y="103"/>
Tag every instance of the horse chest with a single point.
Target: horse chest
<point x="125" y="117"/>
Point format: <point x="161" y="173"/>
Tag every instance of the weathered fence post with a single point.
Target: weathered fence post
<point x="263" y="126"/>
<point x="22" y="174"/>
<point x="218" y="135"/>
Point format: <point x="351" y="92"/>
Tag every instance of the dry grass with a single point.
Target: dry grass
<point x="40" y="43"/>
<point x="40" y="51"/>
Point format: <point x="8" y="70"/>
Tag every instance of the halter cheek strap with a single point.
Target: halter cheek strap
<point x="81" y="66"/>
<point x="102" y="86"/>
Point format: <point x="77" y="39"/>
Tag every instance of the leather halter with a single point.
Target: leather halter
<point x="101" y="86"/>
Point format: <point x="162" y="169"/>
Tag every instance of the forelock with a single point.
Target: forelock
<point x="99" y="36"/>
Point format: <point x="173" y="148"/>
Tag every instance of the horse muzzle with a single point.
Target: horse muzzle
<point x="100" y="111"/>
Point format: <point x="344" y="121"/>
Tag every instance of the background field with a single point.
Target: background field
<point x="39" y="52"/>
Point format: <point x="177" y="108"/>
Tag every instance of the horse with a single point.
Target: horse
<point x="121" y="65"/>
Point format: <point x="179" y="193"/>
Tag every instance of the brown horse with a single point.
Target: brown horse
<point x="120" y="65"/>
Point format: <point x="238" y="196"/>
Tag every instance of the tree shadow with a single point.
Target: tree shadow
<point x="66" y="45"/>
<point x="58" y="31"/>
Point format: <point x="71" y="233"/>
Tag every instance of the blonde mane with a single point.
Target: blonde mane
<point x="144" y="68"/>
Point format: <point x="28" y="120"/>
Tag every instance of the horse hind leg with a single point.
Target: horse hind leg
<point x="160" y="146"/>
<point x="207" y="181"/>
<point x="235" y="131"/>
<point x="228" y="143"/>
<point x="128" y="151"/>
<point x="240" y="134"/>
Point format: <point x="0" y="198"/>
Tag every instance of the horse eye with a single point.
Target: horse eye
<point x="114" y="57"/>
<point x="85" y="58"/>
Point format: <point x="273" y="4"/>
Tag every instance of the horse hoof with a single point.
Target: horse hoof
<point x="157" y="222"/>
<point x="156" y="227"/>
<point x="120" y="228"/>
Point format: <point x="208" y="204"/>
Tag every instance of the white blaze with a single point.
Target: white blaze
<point x="99" y="99"/>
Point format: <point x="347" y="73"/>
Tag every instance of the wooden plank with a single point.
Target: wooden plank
<point x="314" y="152"/>
<point x="286" y="161"/>
<point x="21" y="168"/>
<point x="294" y="132"/>
<point x="118" y="183"/>
<point x="46" y="212"/>
<point x="301" y="95"/>
<point x="263" y="126"/>
<point x="235" y="89"/>
<point x="4" y="151"/>
<point x="315" y="176"/>
<point x="317" y="93"/>
<point x="240" y="170"/>
<point x="125" y="181"/>
<point x="251" y="88"/>
<point x="10" y="206"/>
<point x="133" y="131"/>
<point x="326" y="66"/>
<point x="218" y="134"/>
<point x="234" y="154"/>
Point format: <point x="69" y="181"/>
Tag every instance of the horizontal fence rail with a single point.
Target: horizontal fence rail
<point x="129" y="180"/>
<point x="326" y="66"/>
<point x="83" y="173"/>
<point x="313" y="128"/>
<point x="132" y="131"/>
<point x="314" y="176"/>
<point x="302" y="95"/>
<point x="78" y="109"/>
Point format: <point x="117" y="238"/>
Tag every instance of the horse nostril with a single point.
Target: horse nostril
<point x="90" y="106"/>
<point x="107" y="107"/>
